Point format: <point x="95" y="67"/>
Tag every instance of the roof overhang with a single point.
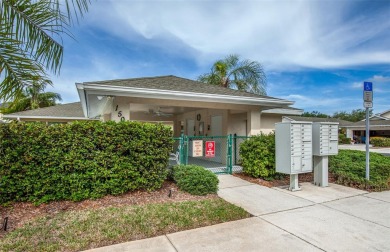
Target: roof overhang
<point x="17" y="117"/>
<point x="86" y="89"/>
<point x="283" y="111"/>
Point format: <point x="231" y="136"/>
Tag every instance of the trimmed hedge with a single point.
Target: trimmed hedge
<point x="343" y="139"/>
<point x="380" y="141"/>
<point x="349" y="168"/>
<point x="81" y="160"/>
<point x="195" y="179"/>
<point x="258" y="156"/>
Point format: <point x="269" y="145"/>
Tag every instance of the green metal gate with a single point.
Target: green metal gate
<point x="224" y="159"/>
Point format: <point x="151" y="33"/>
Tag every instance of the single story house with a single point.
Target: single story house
<point x="190" y="107"/>
<point x="379" y="126"/>
<point x="193" y="108"/>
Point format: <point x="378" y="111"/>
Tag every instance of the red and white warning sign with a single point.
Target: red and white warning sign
<point x="210" y="149"/>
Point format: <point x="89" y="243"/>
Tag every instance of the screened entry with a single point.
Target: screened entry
<point x="219" y="154"/>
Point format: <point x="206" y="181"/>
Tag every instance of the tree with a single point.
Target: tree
<point x="354" y="116"/>
<point x="231" y="72"/>
<point x="315" y="114"/>
<point x="33" y="97"/>
<point x="30" y="41"/>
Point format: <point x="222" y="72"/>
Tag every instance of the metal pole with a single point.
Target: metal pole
<point x="367" y="144"/>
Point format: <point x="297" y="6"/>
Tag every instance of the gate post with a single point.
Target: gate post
<point x="185" y="150"/>
<point x="229" y="154"/>
<point x="182" y="150"/>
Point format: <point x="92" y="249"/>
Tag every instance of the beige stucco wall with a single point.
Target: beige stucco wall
<point x="205" y="117"/>
<point x="237" y="124"/>
<point x="268" y="122"/>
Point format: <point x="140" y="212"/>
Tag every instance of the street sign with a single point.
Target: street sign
<point x="367" y="96"/>
<point x="367" y="91"/>
<point x="210" y="149"/>
<point x="197" y="148"/>
<point x="367" y="104"/>
<point x="367" y="86"/>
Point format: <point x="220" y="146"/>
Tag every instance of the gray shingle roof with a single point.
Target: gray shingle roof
<point x="319" y="119"/>
<point x="174" y="83"/>
<point x="372" y="123"/>
<point x="62" y="110"/>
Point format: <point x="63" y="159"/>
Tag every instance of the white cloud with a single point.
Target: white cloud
<point x="281" y="34"/>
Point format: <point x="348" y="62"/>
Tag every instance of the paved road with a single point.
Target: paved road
<point x="335" y="218"/>
<point x="362" y="147"/>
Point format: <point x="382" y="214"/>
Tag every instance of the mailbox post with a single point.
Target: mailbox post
<point x="293" y="150"/>
<point x="325" y="143"/>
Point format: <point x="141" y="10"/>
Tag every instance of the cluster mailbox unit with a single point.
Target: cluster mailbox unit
<point x="325" y="143"/>
<point x="297" y="143"/>
<point x="294" y="150"/>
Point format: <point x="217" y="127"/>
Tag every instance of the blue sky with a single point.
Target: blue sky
<point x="316" y="53"/>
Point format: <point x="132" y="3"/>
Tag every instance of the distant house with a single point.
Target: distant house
<point x="379" y="126"/>
<point x="342" y="123"/>
<point x="61" y="113"/>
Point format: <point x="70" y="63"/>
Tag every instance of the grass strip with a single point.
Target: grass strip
<point x="86" y="229"/>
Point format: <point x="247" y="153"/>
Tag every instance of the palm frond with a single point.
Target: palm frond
<point x="16" y="68"/>
<point x="32" y="23"/>
<point x="28" y="47"/>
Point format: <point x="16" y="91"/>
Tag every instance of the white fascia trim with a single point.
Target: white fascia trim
<point x="82" y="95"/>
<point x="179" y="95"/>
<point x="46" y="117"/>
<point x="283" y="111"/>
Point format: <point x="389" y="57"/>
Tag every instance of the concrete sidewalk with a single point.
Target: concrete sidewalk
<point x="335" y="218"/>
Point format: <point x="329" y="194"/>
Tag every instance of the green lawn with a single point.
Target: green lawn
<point x="349" y="167"/>
<point x="80" y="230"/>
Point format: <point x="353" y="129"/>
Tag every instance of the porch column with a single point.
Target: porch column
<point x="253" y="122"/>
<point x="349" y="133"/>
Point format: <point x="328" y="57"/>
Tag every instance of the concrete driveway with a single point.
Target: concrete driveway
<point x="335" y="218"/>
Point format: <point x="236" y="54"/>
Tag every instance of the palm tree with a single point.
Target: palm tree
<point x="234" y="73"/>
<point x="30" y="40"/>
<point x="33" y="97"/>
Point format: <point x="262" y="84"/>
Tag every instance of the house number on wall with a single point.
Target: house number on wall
<point x="120" y="114"/>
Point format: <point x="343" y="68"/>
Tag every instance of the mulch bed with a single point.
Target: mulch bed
<point x="284" y="181"/>
<point x="20" y="213"/>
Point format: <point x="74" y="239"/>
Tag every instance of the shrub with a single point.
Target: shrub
<point x="380" y="141"/>
<point x="195" y="179"/>
<point x="81" y="160"/>
<point x="343" y="139"/>
<point x="349" y="169"/>
<point x="258" y="156"/>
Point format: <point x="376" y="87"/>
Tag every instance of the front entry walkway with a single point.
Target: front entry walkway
<point x="335" y="218"/>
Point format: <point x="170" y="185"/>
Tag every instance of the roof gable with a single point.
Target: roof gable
<point x="174" y="83"/>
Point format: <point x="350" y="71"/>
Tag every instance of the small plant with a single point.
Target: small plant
<point x="258" y="156"/>
<point x="380" y="141"/>
<point x="195" y="179"/>
<point x="343" y="139"/>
